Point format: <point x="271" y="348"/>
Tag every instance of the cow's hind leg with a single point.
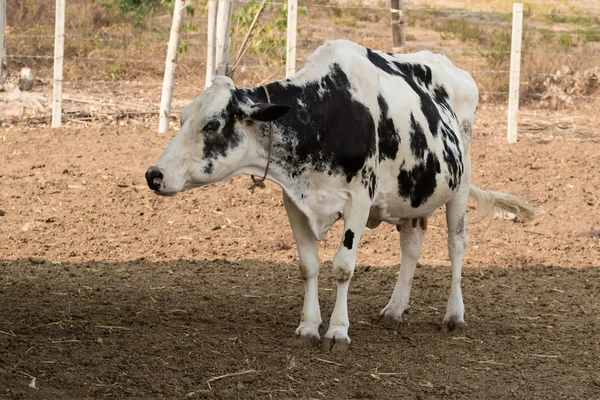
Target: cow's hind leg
<point x="308" y="254"/>
<point x="456" y="219"/>
<point x="411" y="242"/>
<point x="344" y="262"/>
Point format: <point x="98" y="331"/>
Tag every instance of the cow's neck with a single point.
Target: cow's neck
<point x="258" y="154"/>
<point x="326" y="130"/>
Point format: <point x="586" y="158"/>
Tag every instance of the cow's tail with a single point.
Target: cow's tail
<point x="490" y="203"/>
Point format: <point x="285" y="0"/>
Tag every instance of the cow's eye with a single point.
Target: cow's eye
<point x="212" y="126"/>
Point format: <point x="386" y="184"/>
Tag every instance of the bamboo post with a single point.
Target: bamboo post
<point x="515" y="73"/>
<point x="3" y="61"/>
<point x="402" y="24"/>
<point x="397" y="16"/>
<point x="170" y="64"/>
<point x="59" y="51"/>
<point x="210" y="57"/>
<point x="223" y="25"/>
<point x="292" y="23"/>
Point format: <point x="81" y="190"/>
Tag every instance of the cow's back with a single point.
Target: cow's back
<point x="369" y="76"/>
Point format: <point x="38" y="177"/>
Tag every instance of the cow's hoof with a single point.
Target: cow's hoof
<point x="309" y="334"/>
<point x="453" y="324"/>
<point x="336" y="342"/>
<point x="390" y="319"/>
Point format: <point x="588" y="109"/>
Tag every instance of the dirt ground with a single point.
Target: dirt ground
<point x="108" y="291"/>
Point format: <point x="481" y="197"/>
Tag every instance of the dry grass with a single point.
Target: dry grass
<point x="102" y="46"/>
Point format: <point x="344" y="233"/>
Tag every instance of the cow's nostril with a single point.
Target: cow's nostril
<point x="154" y="179"/>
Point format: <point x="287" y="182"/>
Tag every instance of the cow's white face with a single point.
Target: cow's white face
<point x="217" y="129"/>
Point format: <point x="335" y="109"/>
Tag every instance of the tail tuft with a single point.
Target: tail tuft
<point x="490" y="203"/>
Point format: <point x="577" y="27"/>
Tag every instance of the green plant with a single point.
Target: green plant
<point x="346" y="21"/>
<point x="461" y="29"/>
<point x="589" y="35"/>
<point x="559" y="18"/>
<point x="139" y="10"/>
<point x="188" y="27"/>
<point x="547" y="36"/>
<point x="497" y="55"/>
<point x="362" y="14"/>
<point x="115" y="70"/>
<point x="268" y="38"/>
<point x="565" y="40"/>
<point x="183" y="47"/>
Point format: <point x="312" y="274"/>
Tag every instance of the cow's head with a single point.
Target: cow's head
<point x="218" y="131"/>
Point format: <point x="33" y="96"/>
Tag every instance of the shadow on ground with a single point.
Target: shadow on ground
<point x="162" y="330"/>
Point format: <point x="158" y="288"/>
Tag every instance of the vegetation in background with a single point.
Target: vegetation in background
<point x="140" y="11"/>
<point x="351" y="16"/>
<point x="490" y="35"/>
<point x="268" y="37"/>
<point x="103" y="30"/>
<point x="557" y="17"/>
<point x="115" y="70"/>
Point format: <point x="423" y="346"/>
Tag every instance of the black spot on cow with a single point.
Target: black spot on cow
<point x="428" y="107"/>
<point x="388" y="135"/>
<point x="441" y="98"/>
<point x="418" y="72"/>
<point x="418" y="141"/>
<point x="208" y="168"/>
<point x="372" y="185"/>
<point x="419" y="183"/>
<point x="369" y="180"/>
<point x="381" y="63"/>
<point x="336" y="135"/>
<point x="219" y="143"/>
<point x="452" y="156"/>
<point x="348" y="239"/>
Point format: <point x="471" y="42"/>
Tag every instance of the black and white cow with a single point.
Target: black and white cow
<point x="358" y="134"/>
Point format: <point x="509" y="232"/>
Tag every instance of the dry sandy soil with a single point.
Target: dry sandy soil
<point x="108" y="291"/>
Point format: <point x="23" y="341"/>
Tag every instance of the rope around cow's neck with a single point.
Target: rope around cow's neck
<point x="260" y="183"/>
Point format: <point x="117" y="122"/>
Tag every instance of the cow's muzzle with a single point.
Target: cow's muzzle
<point x="154" y="178"/>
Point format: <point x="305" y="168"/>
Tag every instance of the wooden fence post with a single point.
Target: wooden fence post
<point x="59" y="51"/>
<point x="210" y="57"/>
<point x="515" y="73"/>
<point x="223" y="24"/>
<point x="397" y="15"/>
<point x="3" y="61"/>
<point x="170" y="64"/>
<point x="292" y="23"/>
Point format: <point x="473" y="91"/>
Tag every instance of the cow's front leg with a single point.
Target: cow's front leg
<point x="343" y="268"/>
<point x="411" y="242"/>
<point x="308" y="255"/>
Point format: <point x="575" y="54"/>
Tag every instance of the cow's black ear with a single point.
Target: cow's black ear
<point x="269" y="112"/>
